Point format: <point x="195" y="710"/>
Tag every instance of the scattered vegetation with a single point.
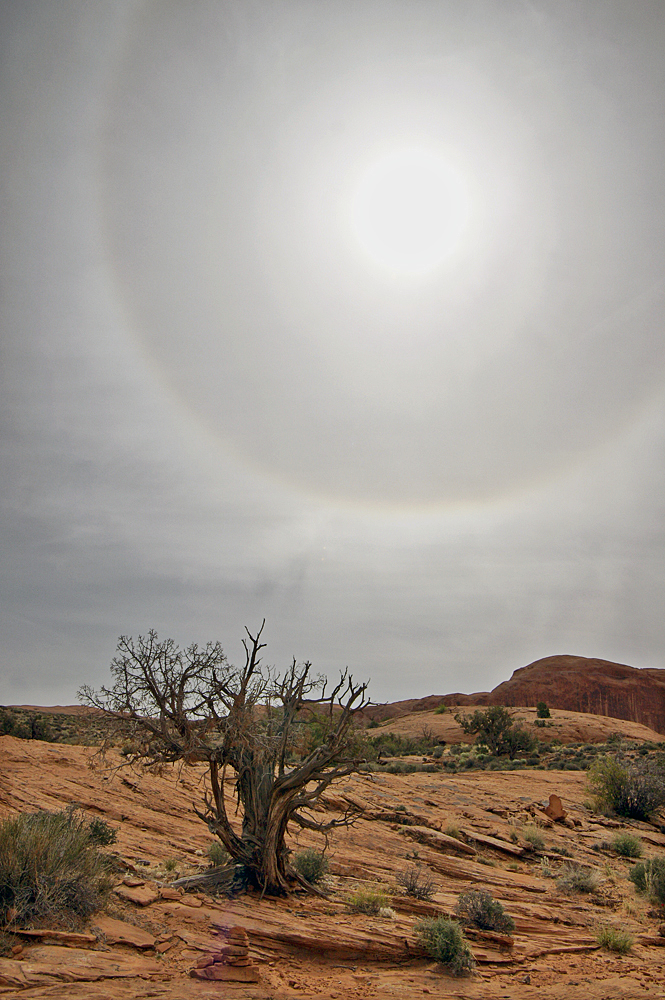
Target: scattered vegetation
<point x="532" y="835"/>
<point x="50" y="869"/>
<point x="627" y="845"/>
<point x="633" y="788"/>
<point x="444" y="941"/>
<point x="368" y="901"/>
<point x="451" y="830"/>
<point x="311" y="864"/>
<point x="615" y="940"/>
<point x="575" y="878"/>
<point x="216" y="854"/>
<point x="477" y="907"/>
<point x="542" y="711"/>
<point x="649" y="877"/>
<point x="416" y="883"/>
<point x="441" y="710"/>
<point x="102" y="833"/>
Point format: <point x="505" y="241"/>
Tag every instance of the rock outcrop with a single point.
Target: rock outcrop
<point x="598" y="687"/>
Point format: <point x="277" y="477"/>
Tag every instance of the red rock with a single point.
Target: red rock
<point x="140" y="895"/>
<point x="555" y="810"/>
<point x="234" y="951"/>
<point x="120" y="932"/>
<point x="166" y="893"/>
<point x="62" y="937"/>
<point x="227" y="973"/>
<point x="580" y="684"/>
<point x="204" y="961"/>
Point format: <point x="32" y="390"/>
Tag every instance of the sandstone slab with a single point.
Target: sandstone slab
<point x="120" y="932"/>
<point x="141" y="895"/>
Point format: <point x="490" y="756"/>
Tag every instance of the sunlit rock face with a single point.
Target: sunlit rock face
<point x="580" y="684"/>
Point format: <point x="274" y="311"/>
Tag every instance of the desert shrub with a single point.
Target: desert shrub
<point x="171" y="864"/>
<point x="50" y="869"/>
<point x="441" y="710"/>
<point x="649" y="877"/>
<point x="627" y="845"/>
<point x="102" y="833"/>
<point x="387" y="913"/>
<point x="542" y="711"/>
<point x="217" y="855"/>
<point x="625" y="787"/>
<point x="372" y="724"/>
<point x="574" y="878"/>
<point x="368" y="901"/>
<point x="444" y="941"/>
<point x="477" y="907"/>
<point x="311" y="864"/>
<point x="615" y="940"/>
<point x="453" y="831"/>
<point x="416" y="883"/>
<point x="532" y="835"/>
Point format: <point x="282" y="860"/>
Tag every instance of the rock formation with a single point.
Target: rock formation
<point x="598" y="687"/>
<point x="572" y="683"/>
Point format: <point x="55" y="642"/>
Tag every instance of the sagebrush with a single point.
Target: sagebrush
<point x="649" y="877"/>
<point x="50" y="869"/>
<point x="444" y="941"/>
<point x="311" y="864"/>
<point x="479" y="908"/>
<point x="625" y="787"/>
<point x="575" y="878"/>
<point x="368" y="901"/>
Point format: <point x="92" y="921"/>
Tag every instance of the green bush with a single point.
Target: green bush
<point x="441" y="710"/>
<point x="615" y="940"/>
<point x="628" y="788"/>
<point x="50" y="869"/>
<point x="102" y="833"/>
<point x="574" y="878"/>
<point x="649" y="877"/>
<point x="532" y="835"/>
<point x="477" y="907"/>
<point x="218" y="855"/>
<point x="490" y="727"/>
<point x="627" y="845"/>
<point x="443" y="940"/>
<point x="542" y="711"/>
<point x="311" y="864"/>
<point x="368" y="901"/>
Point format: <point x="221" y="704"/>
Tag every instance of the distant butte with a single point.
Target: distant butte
<point x="572" y="683"/>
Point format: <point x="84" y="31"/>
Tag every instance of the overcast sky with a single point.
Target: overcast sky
<point x="222" y="401"/>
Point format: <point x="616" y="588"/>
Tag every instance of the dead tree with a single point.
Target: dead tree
<point x="193" y="706"/>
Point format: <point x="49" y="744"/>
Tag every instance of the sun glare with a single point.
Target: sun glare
<point x="409" y="210"/>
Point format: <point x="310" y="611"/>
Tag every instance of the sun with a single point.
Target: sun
<point x="409" y="210"/>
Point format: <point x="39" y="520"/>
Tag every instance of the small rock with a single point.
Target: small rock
<point x="167" y="893"/>
<point x="141" y="895"/>
<point x="555" y="810"/>
<point x="17" y="949"/>
<point x="188" y="900"/>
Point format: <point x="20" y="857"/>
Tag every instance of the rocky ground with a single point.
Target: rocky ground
<point x="153" y="935"/>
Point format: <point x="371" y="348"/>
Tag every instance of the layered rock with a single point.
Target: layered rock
<point x="595" y="686"/>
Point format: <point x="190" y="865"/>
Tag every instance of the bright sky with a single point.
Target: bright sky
<point x="346" y="315"/>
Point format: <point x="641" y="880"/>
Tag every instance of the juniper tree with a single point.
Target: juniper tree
<point x="193" y="706"/>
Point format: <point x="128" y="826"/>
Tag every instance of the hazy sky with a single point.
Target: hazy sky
<point x="232" y="385"/>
